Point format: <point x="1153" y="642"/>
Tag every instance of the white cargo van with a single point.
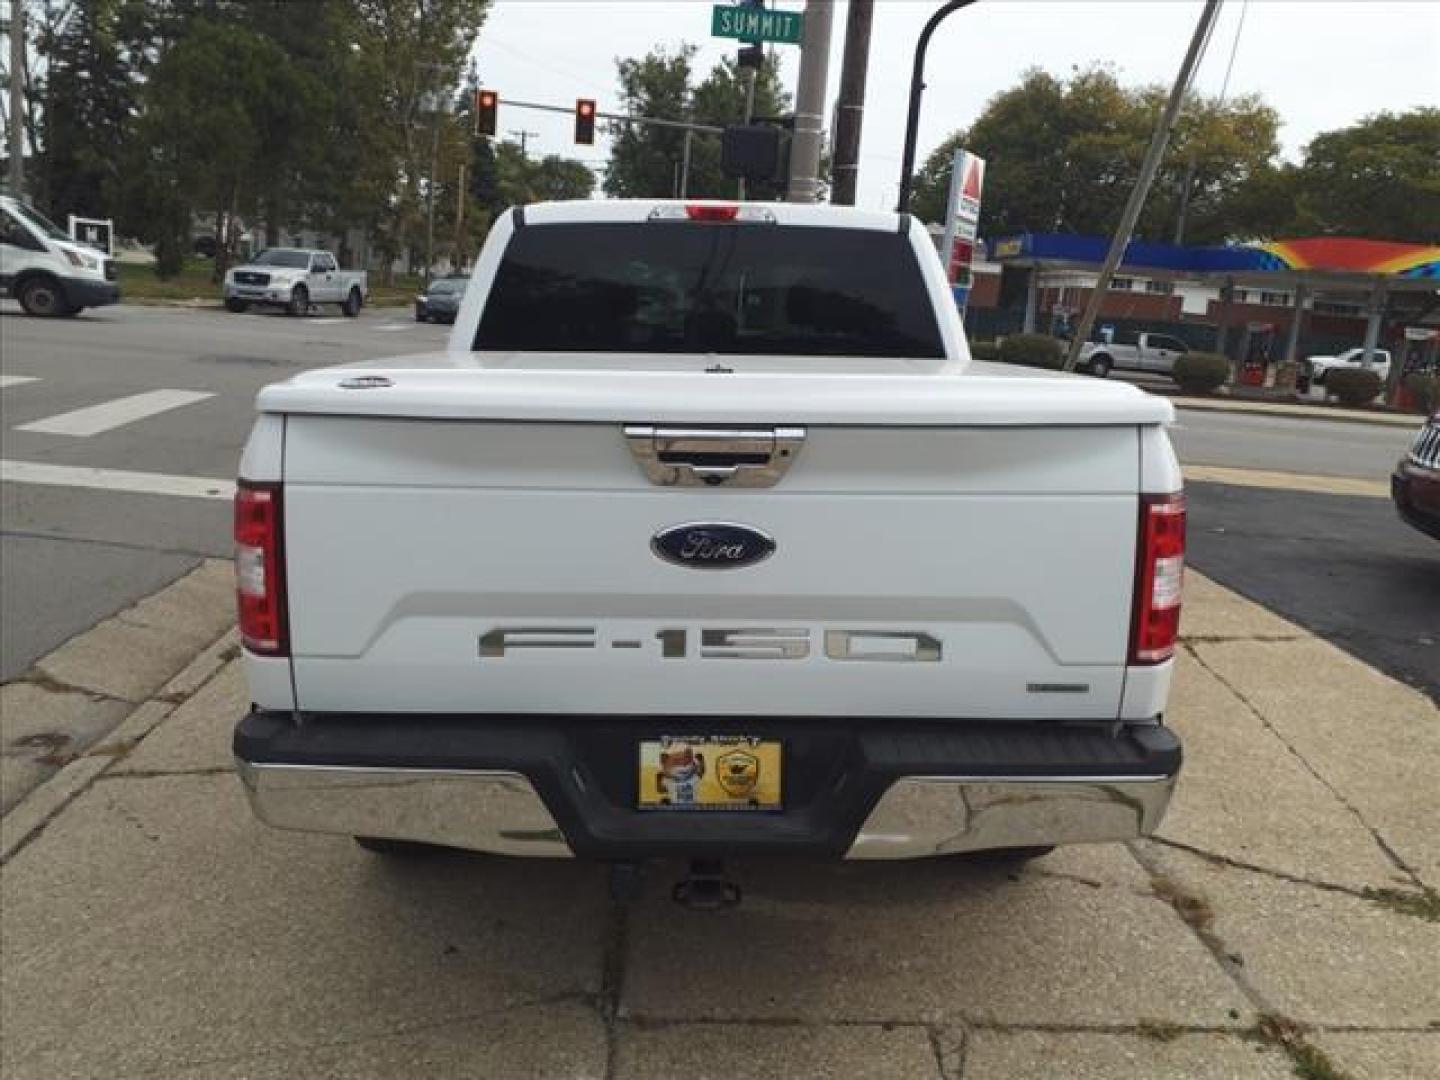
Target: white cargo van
<point x="49" y="273"/>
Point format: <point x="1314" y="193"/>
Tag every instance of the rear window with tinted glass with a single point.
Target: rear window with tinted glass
<point x="685" y="287"/>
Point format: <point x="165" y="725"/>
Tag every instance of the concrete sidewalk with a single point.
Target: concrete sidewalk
<point x="1286" y="916"/>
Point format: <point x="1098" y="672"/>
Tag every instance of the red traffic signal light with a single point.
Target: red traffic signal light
<point x="487" y="105"/>
<point x="585" y="121"/>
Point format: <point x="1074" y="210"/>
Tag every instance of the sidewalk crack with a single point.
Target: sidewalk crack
<point x="1255" y="868"/>
<point x="1384" y="845"/>
<point x="39" y="677"/>
<point x="612" y="981"/>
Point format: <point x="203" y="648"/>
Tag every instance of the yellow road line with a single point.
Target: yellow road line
<point x="1287" y="481"/>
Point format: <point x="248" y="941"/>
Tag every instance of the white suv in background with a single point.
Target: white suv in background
<point x="47" y="271"/>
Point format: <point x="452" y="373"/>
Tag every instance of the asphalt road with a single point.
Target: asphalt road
<point x="1289" y="444"/>
<point x="71" y="556"/>
<point x="1345" y="567"/>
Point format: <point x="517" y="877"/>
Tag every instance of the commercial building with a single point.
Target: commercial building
<point x="1261" y="304"/>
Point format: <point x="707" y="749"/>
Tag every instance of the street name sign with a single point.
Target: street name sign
<point x="756" y="24"/>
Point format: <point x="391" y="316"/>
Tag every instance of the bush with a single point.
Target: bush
<point x="1425" y="388"/>
<point x="984" y="350"/>
<point x="1353" y="386"/>
<point x="1032" y="350"/>
<point x="1201" y="372"/>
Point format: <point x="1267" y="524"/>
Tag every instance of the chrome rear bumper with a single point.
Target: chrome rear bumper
<point x="942" y="815"/>
<point x="500" y="811"/>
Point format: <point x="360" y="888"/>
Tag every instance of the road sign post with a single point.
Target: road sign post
<point x="754" y="24"/>
<point x="962" y="223"/>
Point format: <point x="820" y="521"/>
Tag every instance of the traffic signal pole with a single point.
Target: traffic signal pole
<point x="917" y="88"/>
<point x="810" y="103"/>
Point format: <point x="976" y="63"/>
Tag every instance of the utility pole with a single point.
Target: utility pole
<point x="524" y="137"/>
<point x="430" y="192"/>
<point x="17" y="98"/>
<point x="845" y="173"/>
<point x="810" y="102"/>
<point x="1148" y="168"/>
<point x="460" y="219"/>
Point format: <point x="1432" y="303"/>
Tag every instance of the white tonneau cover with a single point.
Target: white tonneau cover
<point x="708" y="389"/>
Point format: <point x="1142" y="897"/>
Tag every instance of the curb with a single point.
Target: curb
<point x="1296" y="412"/>
<point x="203" y="304"/>
<point x="31" y="814"/>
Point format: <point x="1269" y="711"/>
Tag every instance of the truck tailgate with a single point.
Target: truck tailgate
<point x="964" y="570"/>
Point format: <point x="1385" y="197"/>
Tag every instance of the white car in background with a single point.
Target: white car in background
<point x="1318" y="366"/>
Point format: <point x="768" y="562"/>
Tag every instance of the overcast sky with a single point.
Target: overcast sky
<point x="1322" y="63"/>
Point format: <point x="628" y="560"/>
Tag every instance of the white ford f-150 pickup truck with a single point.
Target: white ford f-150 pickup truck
<point x="704" y="538"/>
<point x="294" y="279"/>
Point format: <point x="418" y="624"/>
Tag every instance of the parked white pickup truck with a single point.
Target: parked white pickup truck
<point x="705" y="537"/>
<point x="1148" y="352"/>
<point x="295" y="278"/>
<point x="1318" y="366"/>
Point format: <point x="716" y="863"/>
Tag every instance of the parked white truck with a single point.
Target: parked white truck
<point x="1147" y="352"/>
<point x="1317" y="367"/>
<point x="705" y="537"/>
<point x="294" y="279"/>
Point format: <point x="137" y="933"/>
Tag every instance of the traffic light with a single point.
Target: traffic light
<point x="585" y="121"/>
<point x="752" y="152"/>
<point x="487" y="104"/>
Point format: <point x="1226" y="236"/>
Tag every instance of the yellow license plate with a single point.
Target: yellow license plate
<point x="709" y="772"/>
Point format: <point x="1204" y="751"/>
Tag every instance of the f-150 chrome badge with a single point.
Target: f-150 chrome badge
<point x="712" y="545"/>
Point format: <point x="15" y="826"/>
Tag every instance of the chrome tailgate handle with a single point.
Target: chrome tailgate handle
<point x="748" y="457"/>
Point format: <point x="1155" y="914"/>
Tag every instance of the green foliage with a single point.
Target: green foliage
<point x="89" y="95"/>
<point x="1353" y="386"/>
<point x="645" y="161"/>
<point x="1201" y="372"/>
<point x="1032" y="350"/>
<point x="984" y="350"/>
<point x="1425" y="386"/>
<point x="1063" y="155"/>
<point x="1379" y="178"/>
<point x="275" y="112"/>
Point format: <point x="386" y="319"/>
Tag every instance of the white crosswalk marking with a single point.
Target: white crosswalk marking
<point x="79" y="476"/>
<point x="392" y="327"/>
<point x="16" y="380"/>
<point x="108" y="415"/>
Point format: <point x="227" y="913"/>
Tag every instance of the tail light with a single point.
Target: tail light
<point x="1159" y="567"/>
<point x="712" y="212"/>
<point x="260" y="568"/>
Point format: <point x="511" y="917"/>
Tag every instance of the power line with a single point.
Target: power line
<point x="1234" y="47"/>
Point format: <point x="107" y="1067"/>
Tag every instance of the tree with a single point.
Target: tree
<point x="1063" y="154"/>
<point x="89" y="93"/>
<point x="1379" y="178"/>
<point x="555" y="177"/>
<point x="225" y="109"/>
<point x="406" y="63"/>
<point x="645" y="161"/>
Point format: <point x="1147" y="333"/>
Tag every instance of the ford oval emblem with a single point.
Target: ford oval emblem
<point x="712" y="545"/>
